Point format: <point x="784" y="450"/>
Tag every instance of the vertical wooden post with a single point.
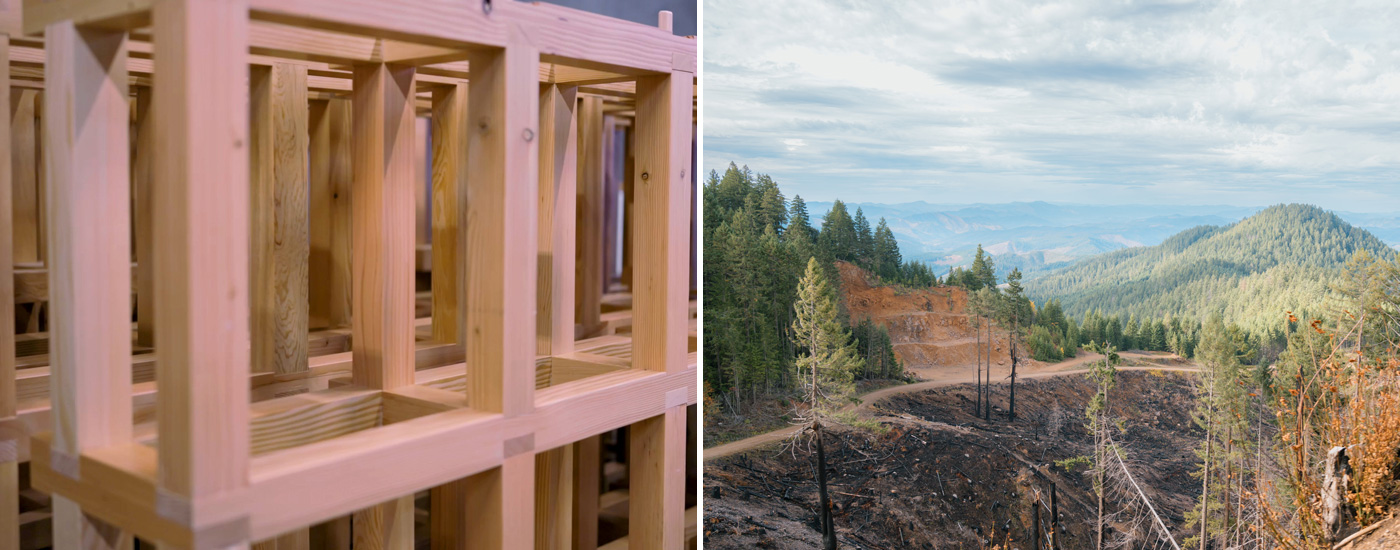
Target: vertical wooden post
<point x="383" y="249"/>
<point x="659" y="302"/>
<point x="142" y="218"/>
<point x="612" y="184"/>
<point x="589" y="266"/>
<point x="554" y="499"/>
<point x="587" y="470"/>
<point x="23" y="156"/>
<point x="499" y="304"/>
<point x="660" y="290"/>
<point x="629" y="195"/>
<point x="449" y="172"/>
<point x="656" y="474"/>
<point x="86" y="121"/>
<point x="558" y="174"/>
<point x="383" y="252"/>
<point x="331" y="175"/>
<point x="9" y="445"/>
<point x="281" y="244"/>
<point x="202" y="247"/>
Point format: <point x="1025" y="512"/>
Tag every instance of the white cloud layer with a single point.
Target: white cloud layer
<point x="1104" y="101"/>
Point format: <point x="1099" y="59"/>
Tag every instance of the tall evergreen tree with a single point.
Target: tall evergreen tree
<point x="984" y="269"/>
<point x="886" y="251"/>
<point x="830" y="357"/>
<point x="865" y="241"/>
<point x="838" y="235"/>
<point x="799" y="219"/>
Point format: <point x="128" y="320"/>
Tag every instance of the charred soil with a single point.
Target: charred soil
<point x="933" y="476"/>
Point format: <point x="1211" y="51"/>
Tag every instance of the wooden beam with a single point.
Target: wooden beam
<point x="281" y="244"/>
<point x="501" y="229"/>
<point x="202" y="249"/>
<point x="656" y="476"/>
<point x="661" y="230"/>
<point x="383" y="248"/>
<point x="23" y="157"/>
<point x="500" y="503"/>
<point x="589" y="265"/>
<point x="587" y="454"/>
<point x="88" y="168"/>
<point x="386" y="526"/>
<point x="331" y="176"/>
<point x="9" y="444"/>
<point x="449" y="175"/>
<point x="143" y="217"/>
<point x="554" y="499"/>
<point x="116" y="15"/>
<point x="558" y="173"/>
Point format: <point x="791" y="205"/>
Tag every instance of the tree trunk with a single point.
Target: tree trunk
<point x="1098" y="478"/>
<point x="1035" y="529"/>
<point x="1011" y="340"/>
<point x="978" y="410"/>
<point x="1054" y="519"/>
<point x="828" y="530"/>
<point x="1205" y="484"/>
<point x="987" y="400"/>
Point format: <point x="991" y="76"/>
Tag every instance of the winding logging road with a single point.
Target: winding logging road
<point x="1064" y="368"/>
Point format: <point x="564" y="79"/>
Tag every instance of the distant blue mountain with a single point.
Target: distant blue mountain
<point x="1041" y="236"/>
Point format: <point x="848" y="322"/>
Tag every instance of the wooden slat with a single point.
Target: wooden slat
<point x="143" y="217"/>
<point x="449" y="174"/>
<point x="656" y="476"/>
<point x="662" y="231"/>
<point x="501" y="229"/>
<point x="500" y="504"/>
<point x="24" y="160"/>
<point x="277" y="156"/>
<point x="386" y="526"/>
<point x="589" y="264"/>
<point x="554" y="499"/>
<point x="329" y="227"/>
<point x="558" y="154"/>
<point x="86" y="121"/>
<point x="202" y="246"/>
<point x="383" y="226"/>
<point x="447" y="525"/>
<point x="9" y="445"/>
<point x="587" y="453"/>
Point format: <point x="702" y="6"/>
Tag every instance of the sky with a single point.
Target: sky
<point x="1098" y="102"/>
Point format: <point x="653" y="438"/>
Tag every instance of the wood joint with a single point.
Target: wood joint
<point x="519" y="445"/>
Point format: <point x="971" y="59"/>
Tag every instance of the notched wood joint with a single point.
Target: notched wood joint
<point x="678" y="397"/>
<point x="65" y="464"/>
<point x="231" y="533"/>
<point x="9" y="450"/>
<point x="683" y="62"/>
<point x="173" y="507"/>
<point x="519" y="445"/>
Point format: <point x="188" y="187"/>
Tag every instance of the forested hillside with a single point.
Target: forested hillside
<point x="757" y="248"/>
<point x="1253" y="272"/>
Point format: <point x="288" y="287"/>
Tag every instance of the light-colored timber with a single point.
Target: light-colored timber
<point x="213" y="212"/>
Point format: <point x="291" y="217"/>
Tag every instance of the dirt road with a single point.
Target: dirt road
<point x="1067" y="367"/>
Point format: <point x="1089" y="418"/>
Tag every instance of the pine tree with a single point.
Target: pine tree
<point x="1104" y="374"/>
<point x="865" y="241"/>
<point x="799" y="219"/>
<point x="886" y="251"/>
<point x="838" y="235"/>
<point x="830" y="359"/>
<point x="1017" y="308"/>
<point x="983" y="272"/>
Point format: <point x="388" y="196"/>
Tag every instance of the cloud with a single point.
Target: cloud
<point x="1102" y="101"/>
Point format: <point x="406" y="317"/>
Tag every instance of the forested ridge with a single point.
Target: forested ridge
<point x="1252" y="272"/>
<point x="758" y="246"/>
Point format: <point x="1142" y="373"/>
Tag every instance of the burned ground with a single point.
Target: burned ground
<point x="935" y="477"/>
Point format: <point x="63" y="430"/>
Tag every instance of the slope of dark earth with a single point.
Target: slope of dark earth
<point x="935" y="477"/>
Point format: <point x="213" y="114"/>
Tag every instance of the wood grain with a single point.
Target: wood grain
<point x="558" y="175"/>
<point x="202" y="245"/>
<point x="24" y="161"/>
<point x="143" y="216"/>
<point x="661" y="229"/>
<point x="449" y="182"/>
<point x="501" y="228"/>
<point x="279" y="211"/>
<point x="9" y="465"/>
<point x="554" y="499"/>
<point x="656" y="476"/>
<point x="588" y="267"/>
<point x="331" y="175"/>
<point x="386" y="526"/>
<point x="382" y="252"/>
<point x="88" y="168"/>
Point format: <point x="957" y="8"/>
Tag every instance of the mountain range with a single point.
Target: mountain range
<point x="1038" y="237"/>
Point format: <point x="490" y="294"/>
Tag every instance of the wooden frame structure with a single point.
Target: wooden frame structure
<point x="232" y="431"/>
